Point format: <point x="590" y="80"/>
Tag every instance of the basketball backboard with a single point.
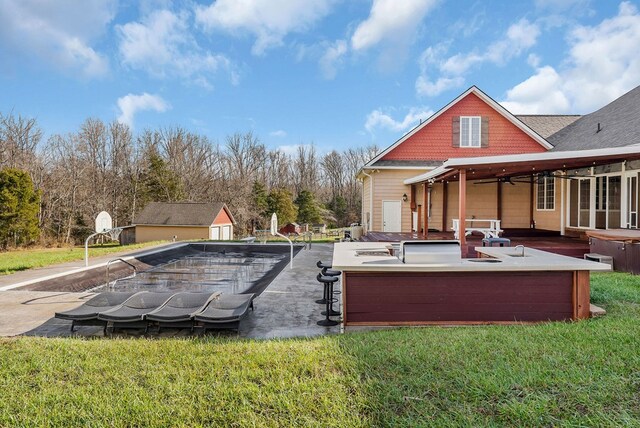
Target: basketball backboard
<point x="274" y="224"/>
<point x="103" y="222"/>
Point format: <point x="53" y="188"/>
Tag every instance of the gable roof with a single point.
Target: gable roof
<point x="547" y="124"/>
<point x="180" y="213"/>
<point x="618" y="121"/>
<point x="484" y="97"/>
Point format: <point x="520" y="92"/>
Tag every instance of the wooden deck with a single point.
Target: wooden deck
<point x="538" y="239"/>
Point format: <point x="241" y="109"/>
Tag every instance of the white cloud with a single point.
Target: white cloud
<point x="332" y="58"/>
<point x="59" y="32"/>
<point x="268" y="20"/>
<point x="161" y="44"/>
<point x="539" y="94"/>
<point x="131" y="104"/>
<point x="380" y="119"/>
<point x="390" y="19"/>
<point x="279" y="133"/>
<point x="450" y="71"/>
<point x="426" y="87"/>
<point x="519" y="37"/>
<point x="603" y="63"/>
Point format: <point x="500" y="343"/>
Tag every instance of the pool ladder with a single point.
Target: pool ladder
<point x="110" y="262"/>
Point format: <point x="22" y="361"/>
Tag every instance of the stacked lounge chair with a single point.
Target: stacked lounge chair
<point x="180" y="309"/>
<point x="166" y="309"/>
<point x="225" y="312"/>
<point x="87" y="313"/>
<point x="131" y="314"/>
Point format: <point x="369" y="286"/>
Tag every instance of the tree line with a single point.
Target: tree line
<point x="104" y="166"/>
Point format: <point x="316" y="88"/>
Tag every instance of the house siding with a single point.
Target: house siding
<point x="389" y="186"/>
<point x="549" y="220"/>
<point x="434" y="140"/>
<point x="161" y="233"/>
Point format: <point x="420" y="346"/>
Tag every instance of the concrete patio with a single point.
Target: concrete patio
<point x="286" y="308"/>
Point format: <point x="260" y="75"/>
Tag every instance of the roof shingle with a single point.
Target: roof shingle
<point x="179" y="213"/>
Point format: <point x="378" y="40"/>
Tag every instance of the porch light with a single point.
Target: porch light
<point x="404" y="197"/>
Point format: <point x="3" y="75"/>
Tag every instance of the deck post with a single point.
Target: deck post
<point x="445" y="197"/>
<point x="462" y="210"/>
<point x="425" y="209"/>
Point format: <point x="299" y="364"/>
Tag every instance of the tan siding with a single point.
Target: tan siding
<point x="515" y="205"/>
<point x="548" y="220"/>
<point x="482" y="203"/>
<point x="389" y="186"/>
<point x="156" y="233"/>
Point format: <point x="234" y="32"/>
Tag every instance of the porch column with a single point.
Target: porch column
<point x="462" y="210"/>
<point x="499" y="201"/>
<point x="445" y="196"/>
<point x="425" y="209"/>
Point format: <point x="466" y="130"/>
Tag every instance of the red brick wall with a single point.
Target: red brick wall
<point x="433" y="142"/>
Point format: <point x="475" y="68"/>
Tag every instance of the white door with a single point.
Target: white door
<point x="226" y="233"/>
<point x="215" y="233"/>
<point x="391" y="216"/>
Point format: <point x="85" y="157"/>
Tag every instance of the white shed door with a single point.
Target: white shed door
<point x="215" y="233"/>
<point x="226" y="233"/>
<point x="391" y="216"/>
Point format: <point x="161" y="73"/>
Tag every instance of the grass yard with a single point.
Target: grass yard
<point x="18" y="260"/>
<point x="557" y="374"/>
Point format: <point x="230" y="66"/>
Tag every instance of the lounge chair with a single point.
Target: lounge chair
<point x="87" y="313"/>
<point x="131" y="314"/>
<point x="225" y="312"/>
<point x="179" y="310"/>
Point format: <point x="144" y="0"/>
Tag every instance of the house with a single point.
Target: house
<point x="184" y="221"/>
<point x="475" y="160"/>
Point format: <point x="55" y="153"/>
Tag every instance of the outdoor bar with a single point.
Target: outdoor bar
<point x="426" y="282"/>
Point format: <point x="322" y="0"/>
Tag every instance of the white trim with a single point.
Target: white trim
<point x="545" y="194"/>
<point x="373" y="168"/>
<point x="469" y="142"/>
<point x="484" y="97"/>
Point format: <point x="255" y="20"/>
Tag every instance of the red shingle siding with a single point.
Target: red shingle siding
<point x="222" y="218"/>
<point x="433" y="141"/>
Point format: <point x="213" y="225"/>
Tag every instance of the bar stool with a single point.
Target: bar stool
<point x="326" y="271"/>
<point x="328" y="282"/>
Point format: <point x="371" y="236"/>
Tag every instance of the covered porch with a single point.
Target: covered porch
<point x="571" y="191"/>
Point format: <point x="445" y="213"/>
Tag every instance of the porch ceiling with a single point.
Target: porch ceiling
<point x="480" y="168"/>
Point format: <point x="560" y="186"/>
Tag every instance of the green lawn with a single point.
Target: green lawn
<point x="556" y="374"/>
<point x="14" y="261"/>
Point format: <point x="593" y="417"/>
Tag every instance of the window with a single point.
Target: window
<point x="470" y="135"/>
<point x="546" y="193"/>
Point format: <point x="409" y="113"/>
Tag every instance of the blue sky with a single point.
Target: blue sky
<point x="334" y="73"/>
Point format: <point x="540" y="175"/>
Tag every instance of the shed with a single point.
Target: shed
<point x="184" y="221"/>
<point x="291" y="229"/>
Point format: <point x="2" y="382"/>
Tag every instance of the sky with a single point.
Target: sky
<point x="336" y="74"/>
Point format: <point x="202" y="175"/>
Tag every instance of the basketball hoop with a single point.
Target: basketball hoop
<point x="114" y="233"/>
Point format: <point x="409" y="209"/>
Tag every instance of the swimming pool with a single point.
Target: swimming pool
<point x="196" y="266"/>
<point x="225" y="271"/>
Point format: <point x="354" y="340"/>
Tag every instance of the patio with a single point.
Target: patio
<point x="286" y="308"/>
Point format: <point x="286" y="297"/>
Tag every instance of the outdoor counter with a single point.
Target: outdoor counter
<point x="380" y="290"/>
